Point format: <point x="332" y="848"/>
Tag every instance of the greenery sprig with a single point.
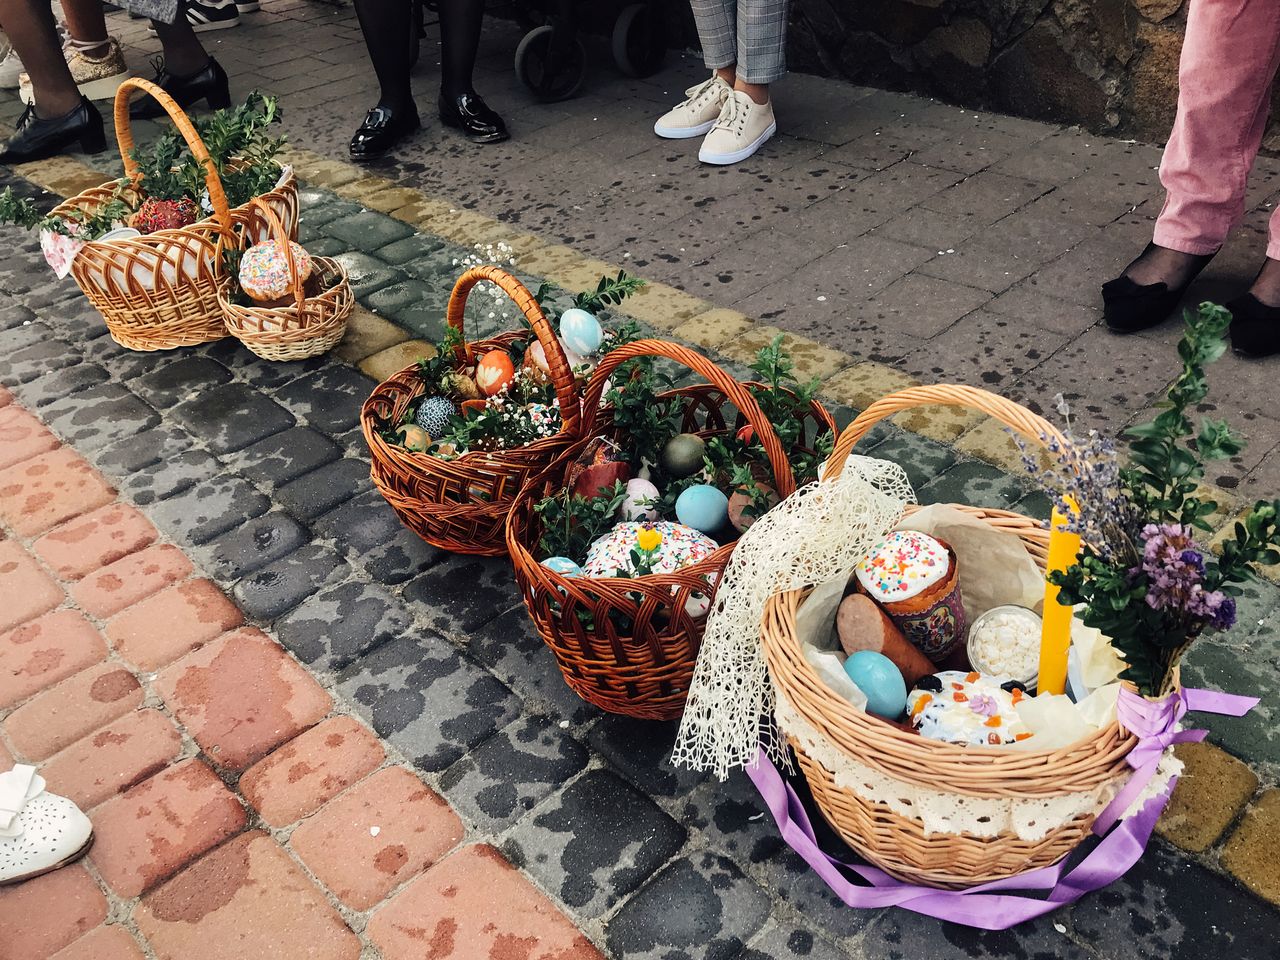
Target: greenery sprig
<point x="571" y="522"/>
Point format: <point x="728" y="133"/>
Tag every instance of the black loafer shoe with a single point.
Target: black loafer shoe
<point x="208" y="84"/>
<point x="1129" y="307"/>
<point x="1255" y="327"/>
<point x="36" y="139"/>
<point x="382" y="130"/>
<point x="473" y="117"/>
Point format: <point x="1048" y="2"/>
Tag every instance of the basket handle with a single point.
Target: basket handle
<point x="1013" y="415"/>
<point x="124" y="137"/>
<point x="561" y="373"/>
<point x="736" y="392"/>
<point x="281" y="237"/>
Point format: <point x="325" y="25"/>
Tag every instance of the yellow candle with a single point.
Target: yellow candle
<point x="1064" y="548"/>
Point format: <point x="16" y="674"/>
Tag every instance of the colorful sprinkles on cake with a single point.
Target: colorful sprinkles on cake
<point x="264" y="269"/>
<point x="904" y="564"/>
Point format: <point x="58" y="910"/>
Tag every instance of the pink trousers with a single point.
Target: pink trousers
<point x="1229" y="59"/>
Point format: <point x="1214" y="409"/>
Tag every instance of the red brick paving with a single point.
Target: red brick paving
<point x="474" y="904"/>
<point x="26" y="591"/>
<point x="63" y="714"/>
<point x="106" y="592"/>
<point x="295" y="780"/>
<point x="149" y="832"/>
<point x="242" y="696"/>
<point x="375" y="836"/>
<point x="38" y="654"/>
<point x="43" y="915"/>
<point x="175" y="836"/>
<point x="92" y="541"/>
<point x="113" y="758"/>
<point x="245" y="899"/>
<point x="174" y="622"/>
<point x="47" y="489"/>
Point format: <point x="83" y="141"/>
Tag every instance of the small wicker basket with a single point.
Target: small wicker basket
<point x="160" y="291"/>
<point x="462" y="504"/>
<point x="306" y="328"/>
<point x="645" y="670"/>
<point x="899" y="844"/>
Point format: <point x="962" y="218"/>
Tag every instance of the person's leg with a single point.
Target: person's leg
<point x="184" y="54"/>
<point x="718" y="32"/>
<point x="31" y="29"/>
<point x="188" y="74"/>
<point x="86" y="21"/>
<point x="697" y="113"/>
<point x="762" y="46"/>
<point x="460" y="106"/>
<point x="386" y="25"/>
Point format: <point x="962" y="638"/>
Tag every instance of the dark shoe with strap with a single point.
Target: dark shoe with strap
<point x="36" y="138"/>
<point x="1255" y="327"/>
<point x="382" y="131"/>
<point x="1129" y="307"/>
<point x="473" y="117"/>
<point x="209" y="84"/>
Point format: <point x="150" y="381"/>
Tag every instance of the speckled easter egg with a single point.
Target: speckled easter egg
<point x="580" y="331"/>
<point x="877" y="677"/>
<point x="642" y="497"/>
<point x="494" y="371"/>
<point x="682" y="456"/>
<point x="413" y="437"/>
<point x="434" y="414"/>
<point x="702" y="507"/>
<point x="264" y="269"/>
<point x="563" y="566"/>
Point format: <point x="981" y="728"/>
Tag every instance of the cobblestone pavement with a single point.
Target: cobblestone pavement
<point x="186" y="528"/>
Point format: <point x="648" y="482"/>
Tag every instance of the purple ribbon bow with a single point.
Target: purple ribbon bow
<point x="988" y="906"/>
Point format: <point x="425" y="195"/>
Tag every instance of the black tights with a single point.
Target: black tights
<point x="388" y="29"/>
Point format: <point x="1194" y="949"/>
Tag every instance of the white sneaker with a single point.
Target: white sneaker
<point x="696" y="114"/>
<point x="97" y="78"/>
<point x="11" y="69"/>
<point x="39" y="831"/>
<point x="741" y="130"/>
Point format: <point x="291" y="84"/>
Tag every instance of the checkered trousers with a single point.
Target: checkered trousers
<point x="749" y="33"/>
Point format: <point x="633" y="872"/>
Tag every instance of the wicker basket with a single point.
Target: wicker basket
<point x="159" y="291"/>
<point x="462" y="504"/>
<point x="306" y="328"/>
<point x="898" y="844"/>
<point x="644" y="671"/>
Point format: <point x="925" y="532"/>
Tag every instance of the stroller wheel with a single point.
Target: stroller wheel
<point x="638" y="42"/>
<point x="550" y="74"/>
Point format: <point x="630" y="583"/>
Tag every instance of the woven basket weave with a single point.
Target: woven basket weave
<point x="898" y="844"/>
<point x="644" y="670"/>
<point x="306" y="328"/>
<point x="462" y="504"/>
<point x="160" y="291"/>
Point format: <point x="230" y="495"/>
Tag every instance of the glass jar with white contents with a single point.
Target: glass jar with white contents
<point x="1005" y="642"/>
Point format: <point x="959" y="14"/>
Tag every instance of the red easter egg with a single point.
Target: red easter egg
<point x="600" y="477"/>
<point x="494" y="371"/>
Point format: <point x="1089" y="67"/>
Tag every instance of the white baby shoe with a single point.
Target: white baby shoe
<point x="697" y="113"/>
<point x="741" y="129"/>
<point x="39" y="831"/>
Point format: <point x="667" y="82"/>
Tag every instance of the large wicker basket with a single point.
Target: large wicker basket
<point x="629" y="646"/>
<point x="462" y="504"/>
<point x="160" y="291"/>
<point x="899" y="844"/>
<point x="306" y="328"/>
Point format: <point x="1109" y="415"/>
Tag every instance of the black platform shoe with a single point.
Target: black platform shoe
<point x="473" y="117"/>
<point x="36" y="139"/>
<point x="382" y="130"/>
<point x="1255" y="327"/>
<point x="1129" y="307"/>
<point x="208" y="84"/>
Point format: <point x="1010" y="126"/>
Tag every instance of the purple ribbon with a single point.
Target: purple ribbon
<point x="988" y="906"/>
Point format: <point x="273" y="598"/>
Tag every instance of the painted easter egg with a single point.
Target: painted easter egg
<point x="434" y="414"/>
<point x="877" y="677"/>
<point x="641" y="502"/>
<point x="264" y="269"/>
<point x="702" y="507"/>
<point x="563" y="566"/>
<point x="682" y="456"/>
<point x="681" y="546"/>
<point x="580" y="331"/>
<point x="743" y="511"/>
<point x="494" y="371"/>
<point x="413" y="437"/>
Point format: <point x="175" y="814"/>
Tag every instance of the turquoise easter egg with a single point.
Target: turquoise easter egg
<point x="580" y="331"/>
<point x="877" y="677"/>
<point x="563" y="566"/>
<point x="703" y="507"/>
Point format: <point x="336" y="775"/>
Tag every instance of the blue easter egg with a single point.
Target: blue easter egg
<point x="877" y="677"/>
<point x="580" y="331"/>
<point x="702" y="507"/>
<point x="563" y="566"/>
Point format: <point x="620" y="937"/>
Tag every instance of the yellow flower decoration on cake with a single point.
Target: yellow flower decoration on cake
<point x="648" y="538"/>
